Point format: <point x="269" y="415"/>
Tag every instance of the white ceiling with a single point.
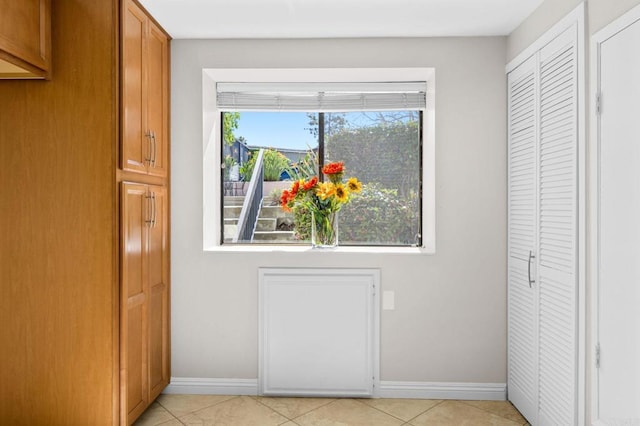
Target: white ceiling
<point x="208" y="19"/>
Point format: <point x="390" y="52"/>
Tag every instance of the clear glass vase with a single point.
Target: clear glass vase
<point x="324" y="230"/>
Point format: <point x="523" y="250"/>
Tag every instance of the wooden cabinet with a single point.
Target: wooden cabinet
<point x="145" y="93"/>
<point x="25" y="38"/>
<point x="144" y="317"/>
<point x="158" y="288"/>
<point x="144" y="169"/>
<point x="85" y="277"/>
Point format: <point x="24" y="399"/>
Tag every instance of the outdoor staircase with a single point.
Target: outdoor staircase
<point x="270" y="222"/>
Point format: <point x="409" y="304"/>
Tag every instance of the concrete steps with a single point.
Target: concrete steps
<point x="273" y="224"/>
<point x="233" y="200"/>
<point x="266" y="224"/>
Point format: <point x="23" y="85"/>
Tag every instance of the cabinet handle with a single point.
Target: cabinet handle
<point x="149" y="157"/>
<point x="531" y="256"/>
<point x="155" y="149"/>
<point x="153" y="199"/>
<point x="149" y="220"/>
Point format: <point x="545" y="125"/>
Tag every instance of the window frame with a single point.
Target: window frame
<point x="212" y="148"/>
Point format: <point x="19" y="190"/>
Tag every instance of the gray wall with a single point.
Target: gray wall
<point x="599" y="14"/>
<point x="603" y="12"/>
<point x="449" y="324"/>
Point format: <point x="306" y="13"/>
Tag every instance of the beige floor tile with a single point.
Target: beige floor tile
<point x="404" y="409"/>
<point x="153" y="416"/>
<point x="500" y="408"/>
<point x="294" y="407"/>
<point x="456" y="413"/>
<point x="179" y="405"/>
<point x="240" y="411"/>
<point x="347" y="412"/>
<point x="173" y="422"/>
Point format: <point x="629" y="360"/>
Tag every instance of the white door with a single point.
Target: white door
<point x="522" y="303"/>
<point x="542" y="233"/>
<point x="557" y="228"/>
<point x="619" y="222"/>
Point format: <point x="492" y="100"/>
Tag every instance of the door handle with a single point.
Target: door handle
<point x="155" y="149"/>
<point x="149" y="157"/>
<point x="150" y="208"/>
<point x="531" y="256"/>
<point x="153" y="199"/>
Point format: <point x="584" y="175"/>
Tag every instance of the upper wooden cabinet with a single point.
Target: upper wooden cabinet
<point x="25" y="39"/>
<point x="145" y="93"/>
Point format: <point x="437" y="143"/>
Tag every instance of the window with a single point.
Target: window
<point x="381" y="129"/>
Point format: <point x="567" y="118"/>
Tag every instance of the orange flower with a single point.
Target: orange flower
<point x="310" y="184"/>
<point x="284" y="199"/>
<point x="295" y="188"/>
<point x="321" y="198"/>
<point x="333" y="168"/>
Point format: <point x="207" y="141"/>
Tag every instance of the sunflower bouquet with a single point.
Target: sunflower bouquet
<point x="320" y="201"/>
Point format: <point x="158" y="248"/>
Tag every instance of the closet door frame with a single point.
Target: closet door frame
<point x="626" y="20"/>
<point x="575" y="18"/>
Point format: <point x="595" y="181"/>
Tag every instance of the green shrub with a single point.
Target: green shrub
<point x="391" y="154"/>
<point x="306" y="168"/>
<point x="374" y="216"/>
<point x="246" y="168"/>
<point x="229" y="162"/>
<point x="274" y="164"/>
<point x="302" y="222"/>
<point x="379" y="216"/>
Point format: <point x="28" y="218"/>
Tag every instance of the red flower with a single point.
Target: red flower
<point x="311" y="183"/>
<point x="333" y="168"/>
<point x="295" y="187"/>
<point x="284" y="198"/>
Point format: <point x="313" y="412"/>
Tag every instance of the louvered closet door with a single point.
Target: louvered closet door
<point x="522" y="319"/>
<point x="557" y="325"/>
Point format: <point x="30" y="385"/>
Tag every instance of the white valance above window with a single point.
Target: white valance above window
<point x="321" y="97"/>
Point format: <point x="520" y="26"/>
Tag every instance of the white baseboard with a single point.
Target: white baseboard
<point x="197" y="386"/>
<point x="416" y="390"/>
<point x="446" y="390"/>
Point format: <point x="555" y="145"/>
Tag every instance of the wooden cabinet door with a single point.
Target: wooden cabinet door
<point x="144" y="335"/>
<point x="136" y="143"/>
<point x="145" y="94"/>
<point x="157" y="98"/>
<point x="25" y="38"/>
<point x="158" y="260"/>
<point x="135" y="214"/>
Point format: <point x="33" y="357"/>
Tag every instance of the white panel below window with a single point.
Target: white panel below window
<point x="319" y="332"/>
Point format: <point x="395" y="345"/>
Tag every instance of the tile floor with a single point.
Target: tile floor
<point x="204" y="410"/>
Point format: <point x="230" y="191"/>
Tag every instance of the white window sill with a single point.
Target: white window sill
<point x="266" y="248"/>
